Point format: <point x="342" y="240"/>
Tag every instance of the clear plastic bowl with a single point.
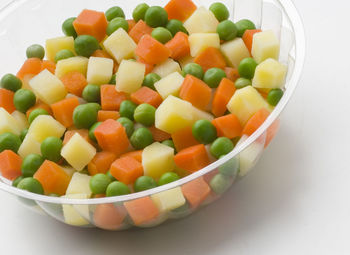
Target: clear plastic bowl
<point x="24" y="22"/>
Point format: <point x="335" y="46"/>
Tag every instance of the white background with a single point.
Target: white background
<point x="296" y="201"/>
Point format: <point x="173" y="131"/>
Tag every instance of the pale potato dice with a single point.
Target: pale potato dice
<point x="201" y="21"/>
<point x="57" y="44"/>
<point x="74" y="64"/>
<point x="201" y="41"/>
<point x="21" y="119"/>
<point x="8" y="123"/>
<point x="245" y="102"/>
<point x="269" y="74"/>
<point x="78" y="152"/>
<point x="79" y="184"/>
<point x="47" y="87"/>
<point x="29" y="146"/>
<point x="76" y="215"/>
<point x="69" y="170"/>
<point x="45" y="126"/>
<point x="201" y="115"/>
<point x="100" y="70"/>
<point x="169" y="85"/>
<point x="235" y="51"/>
<point x="265" y="45"/>
<point x="157" y="159"/>
<point x="167" y="67"/>
<point x="120" y="45"/>
<point x="130" y="76"/>
<point x="186" y="60"/>
<point x="169" y="200"/>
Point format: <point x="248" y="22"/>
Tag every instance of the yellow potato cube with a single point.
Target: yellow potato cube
<point x="169" y="200"/>
<point x="79" y="184"/>
<point x="76" y="215"/>
<point x="167" y="67"/>
<point x="100" y="70"/>
<point x="74" y="64"/>
<point x="120" y="45"/>
<point x="130" y="76"/>
<point x="201" y="21"/>
<point x="29" y="146"/>
<point x="201" y="115"/>
<point x="44" y="126"/>
<point x="186" y="60"/>
<point x="169" y="85"/>
<point x="8" y="123"/>
<point x="48" y="88"/>
<point x="69" y="170"/>
<point x="235" y="51"/>
<point x="54" y="45"/>
<point x="201" y="41"/>
<point x="265" y="45"/>
<point x="21" y="119"/>
<point x="269" y="74"/>
<point x="157" y="159"/>
<point x="78" y="152"/>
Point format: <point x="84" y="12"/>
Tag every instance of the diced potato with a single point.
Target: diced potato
<point x="120" y="45"/>
<point x="130" y="76"/>
<point x="44" y="126"/>
<point x="169" y="85"/>
<point x="76" y="215"/>
<point x="265" y="45"/>
<point x="186" y="60"/>
<point x="235" y="51"/>
<point x="167" y="67"/>
<point x="8" y="123"/>
<point x="201" y="21"/>
<point x="201" y="115"/>
<point x="69" y="170"/>
<point x="47" y="87"/>
<point x="54" y="45"/>
<point x="21" y="119"/>
<point x="78" y="152"/>
<point x="29" y="146"/>
<point x="100" y="70"/>
<point x="79" y="184"/>
<point x="169" y="200"/>
<point x="201" y="41"/>
<point x="74" y="64"/>
<point x="157" y="159"/>
<point x="269" y="74"/>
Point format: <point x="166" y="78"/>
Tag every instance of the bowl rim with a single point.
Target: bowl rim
<point x="296" y="25"/>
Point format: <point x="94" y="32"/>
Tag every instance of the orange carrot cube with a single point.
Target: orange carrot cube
<point x="106" y="115"/>
<point x="179" y="46"/>
<point x="49" y="65"/>
<point x="192" y="158"/>
<point x="228" y="126"/>
<point x="180" y="9"/>
<point x="152" y="51"/>
<point x="222" y="96"/>
<point x="109" y="216"/>
<point x="84" y="133"/>
<point x="196" y="191"/>
<point x="30" y="66"/>
<point x="75" y="82"/>
<point x="63" y="110"/>
<point x="101" y="162"/>
<point x="231" y="73"/>
<point x="255" y="122"/>
<point x="126" y="169"/>
<point x="139" y="30"/>
<point x="248" y="38"/>
<point x="159" y="135"/>
<point x="142" y="210"/>
<point x="134" y="154"/>
<point x="209" y="58"/>
<point x="111" y="98"/>
<point x="10" y="165"/>
<point x="92" y="23"/>
<point x="146" y="95"/>
<point x="6" y="100"/>
<point x="184" y="138"/>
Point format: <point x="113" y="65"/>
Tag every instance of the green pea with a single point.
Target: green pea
<point x="92" y="131"/>
<point x="114" y="12"/>
<point x="156" y="16"/>
<point x="99" y="183"/>
<point x="63" y="54"/>
<point x="24" y="99"/>
<point x="220" y="11"/>
<point x="141" y="138"/>
<point x="144" y="183"/>
<point x="194" y="69"/>
<point x="35" y="113"/>
<point x="35" y="51"/>
<point x="150" y="79"/>
<point x="145" y="114"/>
<point x="85" y="115"/>
<point x="9" y="141"/>
<point x="162" y="35"/>
<point x="31" y="164"/>
<point x="244" y="25"/>
<point x="68" y="28"/>
<point x="111" y="177"/>
<point x="230" y="167"/>
<point x="51" y="149"/>
<point x="127" y="124"/>
<point x="274" y="96"/>
<point x="221" y="146"/>
<point x="140" y="11"/>
<point x="175" y="26"/>
<point x="242" y="82"/>
<point x="17" y="180"/>
<point x="247" y="68"/>
<point x="92" y="93"/>
<point x="227" y="30"/>
<point x="220" y="183"/>
<point x="86" y="45"/>
<point x="10" y="82"/>
<point x="204" y="131"/>
<point x="117" y="189"/>
<point x="23" y="134"/>
<point x="127" y="109"/>
<point x="213" y="77"/>
<point x="113" y="79"/>
<point x="32" y="185"/>
<point x="168" y="178"/>
<point x="117" y="23"/>
<point x="169" y="143"/>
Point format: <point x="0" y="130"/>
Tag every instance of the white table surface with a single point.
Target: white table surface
<point x="296" y="201"/>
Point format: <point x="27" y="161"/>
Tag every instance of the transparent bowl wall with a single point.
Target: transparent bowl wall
<point x="24" y="22"/>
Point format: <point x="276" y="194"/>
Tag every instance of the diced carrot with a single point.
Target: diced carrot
<point x="30" y="66"/>
<point x="49" y="65"/>
<point x="179" y="46"/>
<point x="263" y="92"/>
<point x="255" y="122"/>
<point x="152" y="51"/>
<point x="84" y="133"/>
<point x="53" y="178"/>
<point x="222" y="96"/>
<point x="109" y="216"/>
<point x="184" y="138"/>
<point x="10" y="165"/>
<point x="92" y="23"/>
<point x="101" y="162"/>
<point x="74" y="82"/>
<point x="40" y="105"/>
<point x="134" y="154"/>
<point x="131" y="23"/>
<point x="149" y="67"/>
<point x="106" y="115"/>
<point x="209" y="58"/>
<point x="196" y="191"/>
<point x="180" y="9"/>
<point x="192" y="158"/>
<point x="248" y="38"/>
<point x="271" y="132"/>
<point x="228" y="126"/>
<point x="195" y="91"/>
<point x="111" y="98"/>
<point x="63" y="110"/>
<point x="111" y="136"/>
<point x="139" y="30"/>
<point x="146" y="95"/>
<point x="159" y="135"/>
<point x="142" y="210"/>
<point x="126" y="169"/>
<point x="6" y="100"/>
<point x="231" y="73"/>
